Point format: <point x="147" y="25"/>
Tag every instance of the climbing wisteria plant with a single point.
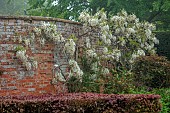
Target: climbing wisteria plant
<point x="117" y="40"/>
<point x="45" y="33"/>
<point x="122" y="37"/>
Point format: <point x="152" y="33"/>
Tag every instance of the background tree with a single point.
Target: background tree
<point x="67" y="9"/>
<point x="13" y="7"/>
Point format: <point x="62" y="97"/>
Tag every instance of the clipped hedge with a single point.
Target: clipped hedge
<point x="82" y="103"/>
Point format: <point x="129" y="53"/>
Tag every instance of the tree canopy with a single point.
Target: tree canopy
<point x="156" y="11"/>
<point x="13" y="7"/>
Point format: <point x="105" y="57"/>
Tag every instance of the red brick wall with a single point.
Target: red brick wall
<point x="14" y="78"/>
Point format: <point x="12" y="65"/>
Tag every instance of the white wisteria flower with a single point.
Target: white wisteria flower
<point x="75" y="69"/>
<point x="103" y="16"/>
<point x="148" y="33"/>
<point x="105" y="71"/>
<point x="155" y="40"/>
<point x="21" y="54"/>
<point x="72" y="62"/>
<point x="42" y="41"/>
<point x="27" y="42"/>
<point x="91" y="53"/>
<point x="131" y="31"/>
<point x="105" y="50"/>
<point x="117" y="31"/>
<point x="58" y="38"/>
<point x="54" y="3"/>
<point x="113" y="38"/>
<point x="103" y="37"/>
<point x="37" y="31"/>
<point x="131" y="17"/>
<point x="35" y="64"/>
<point x="108" y="42"/>
<point x="59" y="77"/>
<point x="115" y="18"/>
<point x="28" y="65"/>
<point x="84" y="17"/>
<point x="94" y="66"/>
<point x="20" y="39"/>
<point x="93" y="21"/>
<point x="141" y="52"/>
<point x="124" y="13"/>
<point x="116" y="54"/>
<point x="88" y="45"/>
<point x="70" y="47"/>
<point x="134" y="56"/>
<point x="105" y="28"/>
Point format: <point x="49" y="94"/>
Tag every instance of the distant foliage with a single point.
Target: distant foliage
<point x="152" y="71"/>
<point x="165" y="98"/>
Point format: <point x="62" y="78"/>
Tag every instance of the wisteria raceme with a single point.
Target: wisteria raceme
<point x="91" y="53"/>
<point x="54" y="3"/>
<point x="35" y="64"/>
<point x="105" y="50"/>
<point x="59" y="77"/>
<point x="21" y="54"/>
<point x="70" y="47"/>
<point x="93" y="22"/>
<point x="88" y="45"/>
<point x="105" y="71"/>
<point x="20" y="39"/>
<point x="28" y="65"/>
<point x="49" y="33"/>
<point x="94" y="66"/>
<point x="75" y="70"/>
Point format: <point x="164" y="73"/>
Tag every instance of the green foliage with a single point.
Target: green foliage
<point x="152" y="71"/>
<point x="165" y="98"/>
<point x="120" y="82"/>
<point x="68" y="9"/>
<point x="73" y="85"/>
<point x="13" y="7"/>
<point x="20" y="48"/>
<point x="1" y="71"/>
<point x="163" y="92"/>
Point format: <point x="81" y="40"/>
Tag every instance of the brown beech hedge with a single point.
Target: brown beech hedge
<point x="81" y="103"/>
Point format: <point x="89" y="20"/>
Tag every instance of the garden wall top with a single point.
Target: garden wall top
<point x="39" y="18"/>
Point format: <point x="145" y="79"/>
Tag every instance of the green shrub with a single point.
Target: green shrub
<point x="120" y="82"/>
<point x="152" y="72"/>
<point x="165" y="98"/>
<point x="73" y="85"/>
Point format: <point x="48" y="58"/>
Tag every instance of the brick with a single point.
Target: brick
<point x="12" y="88"/>
<point x="31" y="89"/>
<point x="42" y="91"/>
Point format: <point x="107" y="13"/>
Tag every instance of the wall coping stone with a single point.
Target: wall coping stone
<point x="39" y="18"/>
